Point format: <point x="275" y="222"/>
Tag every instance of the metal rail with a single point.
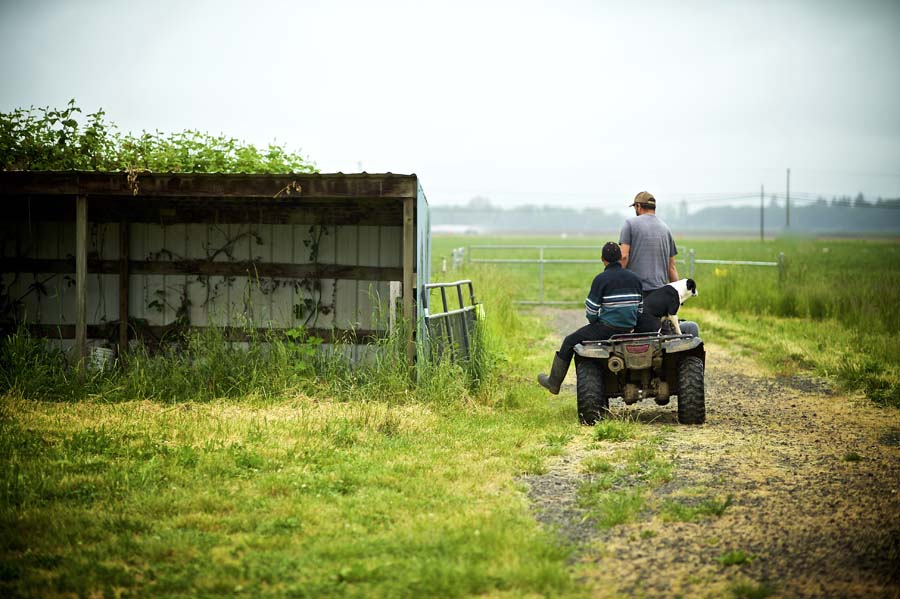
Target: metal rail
<point x="462" y="318"/>
<point x="691" y="261"/>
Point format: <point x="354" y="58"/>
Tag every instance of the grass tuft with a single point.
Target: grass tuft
<point x="735" y="557"/>
<point x="751" y="590"/>
<point x="616" y="430"/>
<point x="677" y="511"/>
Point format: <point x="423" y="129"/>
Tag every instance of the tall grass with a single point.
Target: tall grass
<point x="847" y="287"/>
<point x="855" y="281"/>
<point x="204" y="365"/>
<point x="277" y="468"/>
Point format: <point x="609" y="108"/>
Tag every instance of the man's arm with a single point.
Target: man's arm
<point x="626" y="249"/>
<point x="673" y="272"/>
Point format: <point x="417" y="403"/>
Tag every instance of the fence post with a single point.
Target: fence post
<point x="541" y="275"/>
<point x="443" y="264"/>
<point x="781" y="269"/>
<point x="691" y="263"/>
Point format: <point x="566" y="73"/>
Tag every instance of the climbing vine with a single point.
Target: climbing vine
<point x="65" y="138"/>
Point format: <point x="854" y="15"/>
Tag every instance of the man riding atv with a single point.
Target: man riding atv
<point x="615" y="357"/>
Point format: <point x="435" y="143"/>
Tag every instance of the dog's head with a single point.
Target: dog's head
<point x="691" y="286"/>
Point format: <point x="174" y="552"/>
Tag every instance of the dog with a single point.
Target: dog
<point x="666" y="300"/>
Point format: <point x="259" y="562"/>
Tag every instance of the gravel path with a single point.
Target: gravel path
<point x="814" y="480"/>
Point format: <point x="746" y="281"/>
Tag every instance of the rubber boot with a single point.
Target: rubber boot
<point x="557" y="374"/>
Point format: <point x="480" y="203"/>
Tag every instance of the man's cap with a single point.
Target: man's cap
<point x="611" y="252"/>
<point x="645" y="198"/>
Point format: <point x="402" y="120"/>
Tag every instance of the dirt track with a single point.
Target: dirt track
<point x="814" y="478"/>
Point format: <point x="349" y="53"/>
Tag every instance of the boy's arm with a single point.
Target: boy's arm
<point x="592" y="302"/>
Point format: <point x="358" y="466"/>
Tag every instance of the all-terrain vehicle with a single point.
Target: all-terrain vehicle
<point x="641" y="366"/>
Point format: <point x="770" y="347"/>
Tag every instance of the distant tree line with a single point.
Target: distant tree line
<point x="840" y="215"/>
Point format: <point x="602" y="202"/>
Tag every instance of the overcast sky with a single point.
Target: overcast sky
<point x="573" y="103"/>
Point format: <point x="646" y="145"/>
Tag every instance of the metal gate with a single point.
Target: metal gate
<point x="451" y="331"/>
<point x="691" y="261"/>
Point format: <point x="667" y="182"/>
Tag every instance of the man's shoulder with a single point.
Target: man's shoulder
<point x="648" y="221"/>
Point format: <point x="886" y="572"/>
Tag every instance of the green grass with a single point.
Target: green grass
<point x="620" y="482"/>
<point x="281" y="472"/>
<point x="269" y="499"/>
<point x="836" y="312"/>
<point x="266" y="474"/>
<point x="680" y="511"/>
<point x="751" y="590"/>
<point x="735" y="557"/>
<point x="616" y="430"/>
<point x="610" y="508"/>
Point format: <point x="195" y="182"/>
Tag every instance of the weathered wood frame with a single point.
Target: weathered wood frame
<point x="322" y="199"/>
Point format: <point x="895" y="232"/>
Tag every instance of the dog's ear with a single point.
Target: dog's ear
<point x="692" y="286"/>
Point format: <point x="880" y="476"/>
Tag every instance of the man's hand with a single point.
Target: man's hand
<point x="625" y="251"/>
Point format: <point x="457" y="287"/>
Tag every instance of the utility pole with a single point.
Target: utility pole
<point x="762" y="226"/>
<point x="787" y="202"/>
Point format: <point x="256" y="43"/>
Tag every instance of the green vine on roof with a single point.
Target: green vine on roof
<point x="51" y="139"/>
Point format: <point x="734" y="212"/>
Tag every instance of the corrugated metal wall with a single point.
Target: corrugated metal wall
<point x="350" y="304"/>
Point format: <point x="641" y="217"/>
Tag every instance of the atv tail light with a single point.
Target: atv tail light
<point x="637" y="349"/>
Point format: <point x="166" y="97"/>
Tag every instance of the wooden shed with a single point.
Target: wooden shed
<point x="89" y="257"/>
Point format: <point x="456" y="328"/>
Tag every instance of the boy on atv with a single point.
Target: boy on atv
<point x="613" y="305"/>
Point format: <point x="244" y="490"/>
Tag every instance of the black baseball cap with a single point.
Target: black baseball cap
<point x="611" y="252"/>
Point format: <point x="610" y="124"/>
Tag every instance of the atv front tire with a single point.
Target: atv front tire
<point x="592" y="405"/>
<point x="691" y="394"/>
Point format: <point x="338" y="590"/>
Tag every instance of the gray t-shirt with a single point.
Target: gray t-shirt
<point x="651" y="247"/>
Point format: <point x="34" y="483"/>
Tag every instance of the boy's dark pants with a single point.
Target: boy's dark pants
<point x="562" y="359"/>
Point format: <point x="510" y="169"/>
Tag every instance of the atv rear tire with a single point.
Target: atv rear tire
<point x="592" y="405"/>
<point x="691" y="394"/>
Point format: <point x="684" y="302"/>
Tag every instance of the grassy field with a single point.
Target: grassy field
<point x="836" y="312"/>
<point x="275" y="474"/>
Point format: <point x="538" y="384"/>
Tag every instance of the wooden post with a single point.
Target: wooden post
<point x="124" y="255"/>
<point x="409" y="283"/>
<point x="81" y="213"/>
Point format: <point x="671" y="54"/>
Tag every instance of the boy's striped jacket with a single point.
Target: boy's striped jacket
<point x="615" y="299"/>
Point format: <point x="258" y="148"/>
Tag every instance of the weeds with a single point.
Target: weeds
<point x="203" y="365"/>
<point x="835" y="312"/>
<point x="735" y="557"/>
<point x="750" y="590"/>
<point x="616" y="430"/>
<point x="609" y="507"/>
<point x="676" y="511"/>
<point x="619" y="484"/>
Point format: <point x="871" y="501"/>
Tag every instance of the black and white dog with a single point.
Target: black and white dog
<point x="666" y="300"/>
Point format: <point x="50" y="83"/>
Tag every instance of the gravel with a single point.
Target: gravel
<point x="813" y="476"/>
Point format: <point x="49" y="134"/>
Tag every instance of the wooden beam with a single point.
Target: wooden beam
<point x="239" y="333"/>
<point x="202" y="209"/>
<point x="409" y="253"/>
<point x="214" y="185"/>
<point x="81" y="216"/>
<point x="207" y="268"/>
<point x="124" y="278"/>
